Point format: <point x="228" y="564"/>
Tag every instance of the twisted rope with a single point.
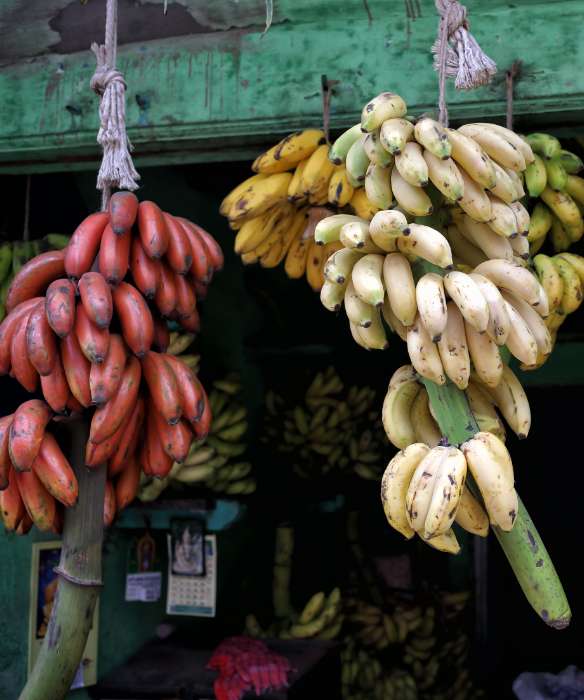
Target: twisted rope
<point x="117" y="168"/>
<point x="457" y="54"/>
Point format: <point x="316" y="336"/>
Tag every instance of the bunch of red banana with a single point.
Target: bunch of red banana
<point x="83" y="336"/>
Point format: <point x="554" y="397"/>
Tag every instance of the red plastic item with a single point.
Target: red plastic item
<point x="246" y="664"/>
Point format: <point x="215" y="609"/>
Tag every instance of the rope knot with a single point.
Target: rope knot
<point x="117" y="169"/>
<point x="457" y="53"/>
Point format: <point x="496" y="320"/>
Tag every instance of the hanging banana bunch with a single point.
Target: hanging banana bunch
<point x="296" y="184"/>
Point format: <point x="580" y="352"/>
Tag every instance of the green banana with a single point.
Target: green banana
<point x="536" y="176"/>
<point x="544" y="145"/>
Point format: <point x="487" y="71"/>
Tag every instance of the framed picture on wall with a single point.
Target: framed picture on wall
<point x="43" y="587"/>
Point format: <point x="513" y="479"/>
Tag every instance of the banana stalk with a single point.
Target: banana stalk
<point x="523" y="546"/>
<point x="79" y="582"/>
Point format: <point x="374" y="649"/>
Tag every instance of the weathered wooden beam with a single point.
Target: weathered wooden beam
<point x="209" y="95"/>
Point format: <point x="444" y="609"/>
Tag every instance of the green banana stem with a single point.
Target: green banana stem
<point x="79" y="583"/>
<point x="523" y="546"/>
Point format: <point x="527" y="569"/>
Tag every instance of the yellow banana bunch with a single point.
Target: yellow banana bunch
<point x="333" y="429"/>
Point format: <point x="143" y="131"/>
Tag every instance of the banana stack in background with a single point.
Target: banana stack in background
<point x="333" y="430"/>
<point x="13" y="255"/>
<point x="321" y="617"/>
<point x="275" y="211"/>
<point x="408" y="649"/>
<point x="215" y="463"/>
<point x="557" y="194"/>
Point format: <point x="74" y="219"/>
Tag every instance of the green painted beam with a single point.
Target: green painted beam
<point x="221" y="94"/>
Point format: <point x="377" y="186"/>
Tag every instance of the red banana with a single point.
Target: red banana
<point x="156" y="462"/>
<point x="96" y="297"/>
<point x="60" y="306"/>
<point x="179" y="254"/>
<point x="39" y="503"/>
<point x="9" y="326"/>
<point x="55" y="472"/>
<point x="84" y="244"/>
<point x="93" y="341"/>
<point x="191" y="390"/>
<point x="163" y="386"/>
<point x="175" y="439"/>
<point x="55" y="388"/>
<point x="5" y="463"/>
<point x="105" y="378"/>
<point x="34" y="277"/>
<point x="145" y="271"/>
<point x="41" y="343"/>
<point x="186" y="301"/>
<point x="201" y="268"/>
<point x="128" y="483"/>
<point x="123" y="209"/>
<point x="153" y="231"/>
<point x="98" y="454"/>
<point x="76" y="367"/>
<point x="11" y="504"/>
<point x="114" y="255"/>
<point x="129" y="440"/>
<point x="22" y="368"/>
<point x="192" y="322"/>
<point x="108" y="418"/>
<point x="161" y="334"/>
<point x="214" y="252"/>
<point x="203" y="425"/>
<point x="109" y="504"/>
<point x="201" y="289"/>
<point x="165" y="297"/>
<point x="135" y="318"/>
<point x="27" y="432"/>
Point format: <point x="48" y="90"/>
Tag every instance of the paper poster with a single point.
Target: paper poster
<point x="189" y="593"/>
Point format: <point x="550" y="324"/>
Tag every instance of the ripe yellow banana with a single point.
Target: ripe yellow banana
<point x="511" y="399"/>
<point x="317" y="172"/>
<point x="385" y="227"/>
<point x="340" y="189"/>
<point x="386" y="105"/>
<point x="431" y="303"/>
<point x="393" y="321"/>
<point x="295" y="264"/>
<point x="396" y="412"/>
<point x="427" y="243"/>
<point x="401" y="289"/>
<point x="520" y="341"/>
<point x="445" y="494"/>
<point x="339" y="266"/>
<point x="358" y="312"/>
<point x="394" y="486"/>
<point x="492" y="469"/>
<point x="377" y="186"/>
<point x="332" y="295"/>
<point x="329" y="229"/>
<point x="433" y="137"/>
<point x="236" y="192"/>
<point x="474" y="200"/>
<point x="361" y="205"/>
<point x="375" y="150"/>
<point x="445" y="176"/>
<point x="425" y="427"/>
<point x="466" y="294"/>
<point x="566" y="209"/>
<point x="314" y="265"/>
<point x="373" y="336"/>
<point x="355" y="235"/>
<point x="512" y="277"/>
<point x="496" y="146"/>
<point x="540" y="222"/>
<point x="485" y="356"/>
<point x="462" y="248"/>
<point x="410" y="198"/>
<point x="395" y="133"/>
<point x="424" y="353"/>
<point x="550" y="280"/>
<point x="534" y="322"/>
<point x="453" y="348"/>
<point x="504" y="187"/>
<point x="484" y="238"/>
<point x="483" y="408"/>
<point x="444" y="543"/>
<point x="411" y="165"/>
<point x="260" y="196"/>
<point x="289" y="151"/>
<point x="471" y="157"/>
<point x="503" y="220"/>
<point x="499" y="323"/>
<point x="367" y="279"/>
<point x="514" y="139"/>
<point x="471" y="515"/>
<point x="420" y="490"/>
<point x="573" y="289"/>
